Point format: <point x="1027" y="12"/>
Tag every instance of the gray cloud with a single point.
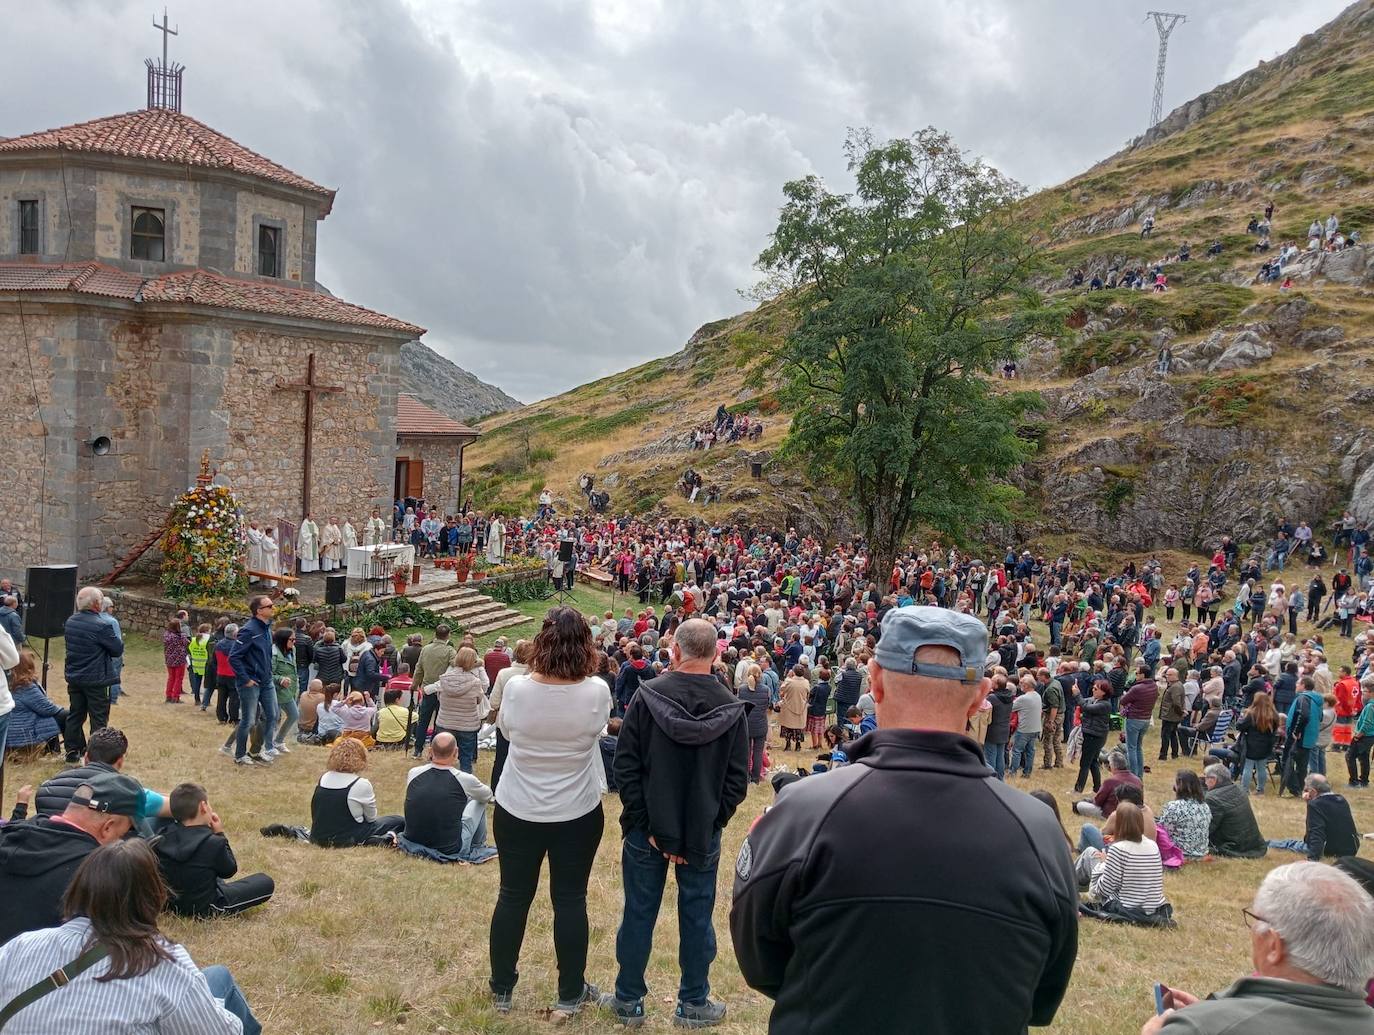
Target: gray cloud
<point x="561" y="188"/>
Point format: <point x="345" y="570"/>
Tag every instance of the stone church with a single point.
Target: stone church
<point x="157" y="300"/>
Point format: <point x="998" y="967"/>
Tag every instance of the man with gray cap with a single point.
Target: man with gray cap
<point x="915" y="830"/>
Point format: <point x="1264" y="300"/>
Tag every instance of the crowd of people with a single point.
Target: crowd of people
<point x="925" y="683"/>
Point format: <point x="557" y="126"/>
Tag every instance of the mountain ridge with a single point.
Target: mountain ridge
<point x="1259" y="417"/>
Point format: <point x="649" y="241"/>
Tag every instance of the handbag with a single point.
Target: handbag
<point x="59" y="978"/>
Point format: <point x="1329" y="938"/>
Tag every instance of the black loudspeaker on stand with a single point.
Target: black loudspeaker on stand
<point x="335" y="588"/>
<point x="51" y="598"/>
<point x="565" y="556"/>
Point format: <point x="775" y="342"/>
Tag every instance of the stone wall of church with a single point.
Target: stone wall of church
<point x="163" y="388"/>
<point x="354" y="442"/>
<point x="440" y="457"/>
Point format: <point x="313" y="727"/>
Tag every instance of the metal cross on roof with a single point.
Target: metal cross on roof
<point x="165" y="33"/>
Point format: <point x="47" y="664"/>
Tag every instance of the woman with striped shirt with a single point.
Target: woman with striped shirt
<point x="1131" y="873"/>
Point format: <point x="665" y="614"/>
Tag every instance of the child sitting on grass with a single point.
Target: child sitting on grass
<point x="197" y="862"/>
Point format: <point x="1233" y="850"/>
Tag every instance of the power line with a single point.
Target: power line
<point x="1164" y="24"/>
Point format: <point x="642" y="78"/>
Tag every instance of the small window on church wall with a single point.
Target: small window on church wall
<point x="268" y="238"/>
<point x="147" y="238"/>
<point x="28" y="228"/>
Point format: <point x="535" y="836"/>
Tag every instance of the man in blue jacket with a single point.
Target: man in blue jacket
<point x="92" y="645"/>
<point x="251" y="656"/>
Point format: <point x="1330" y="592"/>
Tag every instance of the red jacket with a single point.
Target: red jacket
<point x="1347" y="691"/>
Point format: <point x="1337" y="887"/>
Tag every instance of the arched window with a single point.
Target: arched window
<point x="268" y="237"/>
<point x="147" y="239"/>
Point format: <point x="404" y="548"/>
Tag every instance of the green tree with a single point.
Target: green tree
<point x="908" y="295"/>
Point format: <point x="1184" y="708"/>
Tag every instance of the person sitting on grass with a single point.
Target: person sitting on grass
<point x="1128" y="874"/>
<point x="197" y="862"/>
<point x="1187" y="818"/>
<point x="343" y="809"/>
<point x="105" y="753"/>
<point x="446" y="809"/>
<point x="36" y="718"/>
<point x="1312" y="950"/>
<point x="1233" y="830"/>
<point x="116" y="965"/>
<point x="392" y="720"/>
<point x="357" y="716"/>
<point x="1104" y="801"/>
<point x="329" y="723"/>
<point x="1330" y="826"/>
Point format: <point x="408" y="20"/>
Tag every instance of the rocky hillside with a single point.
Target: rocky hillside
<point x="1266" y="410"/>
<point x="447" y="387"/>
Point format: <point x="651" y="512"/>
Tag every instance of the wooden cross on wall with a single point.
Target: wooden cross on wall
<point x="310" y="387"/>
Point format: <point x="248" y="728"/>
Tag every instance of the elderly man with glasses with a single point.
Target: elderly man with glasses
<point x="1312" y="947"/>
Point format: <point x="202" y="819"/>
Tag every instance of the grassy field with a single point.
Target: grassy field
<point x="362" y="940"/>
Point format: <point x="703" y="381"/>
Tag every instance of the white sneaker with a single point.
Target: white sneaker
<point x="271" y="753"/>
<point x="227" y="750"/>
<point x="261" y="758"/>
<point x="245" y="760"/>
<point x="283" y="750"/>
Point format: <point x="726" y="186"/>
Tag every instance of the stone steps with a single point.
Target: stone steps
<point x="470" y="610"/>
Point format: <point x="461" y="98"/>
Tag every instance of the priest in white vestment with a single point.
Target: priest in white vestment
<point x="255" y="558"/>
<point x="330" y="538"/>
<point x="374" y="532"/>
<point x="271" y="557"/>
<point x="308" y="545"/>
<point x="350" y="538"/>
<point x="496" y="541"/>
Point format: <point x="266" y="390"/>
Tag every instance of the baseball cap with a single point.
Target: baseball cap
<point x="905" y="630"/>
<point x="111" y="793"/>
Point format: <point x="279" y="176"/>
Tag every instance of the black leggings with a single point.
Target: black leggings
<point x="756" y="757"/>
<point x="571" y="848"/>
<point x="1088" y="762"/>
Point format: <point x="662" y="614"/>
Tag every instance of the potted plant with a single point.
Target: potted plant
<point x="400" y="575"/>
<point x="462" y="566"/>
<point x="479" y="567"/>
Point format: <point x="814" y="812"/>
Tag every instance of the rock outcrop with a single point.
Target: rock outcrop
<point x="444" y="386"/>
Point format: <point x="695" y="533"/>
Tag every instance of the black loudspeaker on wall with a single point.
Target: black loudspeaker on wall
<point x="51" y="599"/>
<point x="335" y="588"/>
<point x="565" y="549"/>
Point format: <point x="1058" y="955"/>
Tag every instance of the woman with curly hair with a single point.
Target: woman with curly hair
<point x="343" y="809"/>
<point x="549" y="803"/>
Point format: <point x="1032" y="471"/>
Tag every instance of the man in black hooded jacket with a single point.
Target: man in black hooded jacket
<point x="197" y="862"/>
<point x="681" y="766"/>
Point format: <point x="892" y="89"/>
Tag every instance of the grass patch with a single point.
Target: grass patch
<point x="1224" y="402"/>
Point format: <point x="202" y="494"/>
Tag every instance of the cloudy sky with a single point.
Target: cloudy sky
<point x="560" y="189"/>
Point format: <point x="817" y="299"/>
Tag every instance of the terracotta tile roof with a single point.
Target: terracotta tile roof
<point x="415" y="418"/>
<point x="255" y="296"/>
<point x="197" y="287"/>
<point x="164" y="136"/>
<point x="89" y="278"/>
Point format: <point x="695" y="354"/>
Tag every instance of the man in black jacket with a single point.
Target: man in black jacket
<point x="1330" y="826"/>
<point x="92" y="645"/>
<point x="197" y="862"/>
<point x="964" y="870"/>
<point x="39" y="856"/>
<point x="681" y="766"/>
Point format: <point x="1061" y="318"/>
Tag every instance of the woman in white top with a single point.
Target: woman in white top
<point x="143" y="983"/>
<point x="549" y="803"/>
<point x="1130" y="871"/>
<point x="462" y="691"/>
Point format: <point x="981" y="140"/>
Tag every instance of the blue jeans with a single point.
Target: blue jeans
<point x="1135" y="734"/>
<point x="1023" y="752"/>
<point x="995" y="755"/>
<point x="475" y="848"/>
<point x="645" y="874"/>
<point x="223" y="987"/>
<point x="1261" y="771"/>
<point x="1291" y="844"/>
<point x="467" y="746"/>
<point x="1091" y="837"/>
<point x="196" y="680"/>
<point x="290" y="719"/>
<point x="250" y="700"/>
<point x="1316" y="761"/>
